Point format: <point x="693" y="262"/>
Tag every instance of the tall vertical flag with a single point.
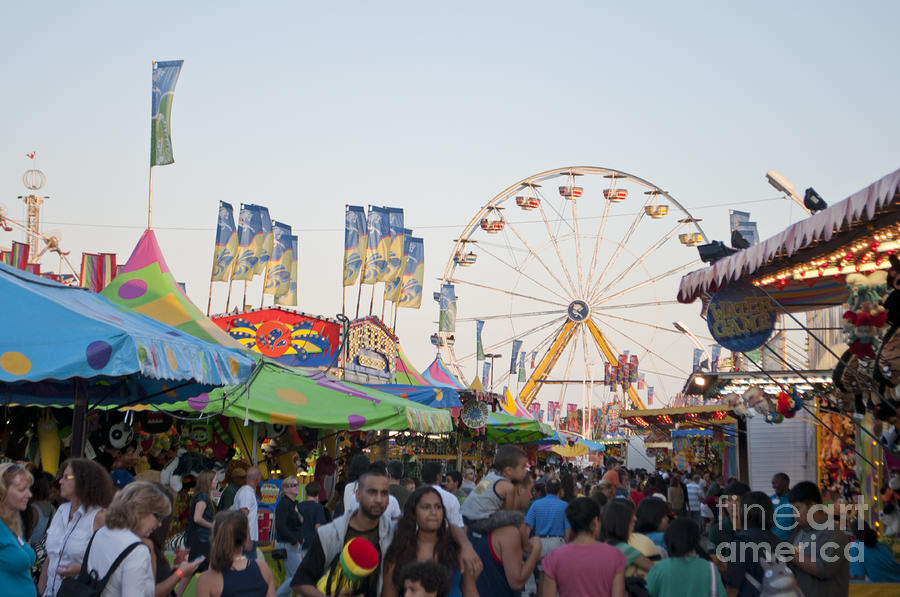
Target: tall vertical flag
<point x="165" y="76"/>
<point x="649" y="395"/>
<point x="355" y="240"/>
<point x="413" y="275"/>
<point x="278" y="274"/>
<point x="393" y="288"/>
<point x="250" y="238"/>
<point x="377" y="244"/>
<point x="290" y="297"/>
<point x="447" y="317"/>
<point x="226" y="243"/>
<point x="716" y="351"/>
<point x="268" y="241"/>
<point x="97" y="270"/>
<point x="522" y="367"/>
<point x="20" y="254"/>
<point x="698" y="354"/>
<point x="514" y="357"/>
<point x="740" y="222"/>
<point x="395" y="244"/>
<point x="486" y="375"/>
<point x="6" y="257"/>
<point x="479" y="347"/>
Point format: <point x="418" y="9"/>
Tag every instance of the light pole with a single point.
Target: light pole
<point x="492" y="356"/>
<point x="683" y="328"/>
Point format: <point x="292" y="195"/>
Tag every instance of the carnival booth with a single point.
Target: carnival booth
<point x="696" y="438"/>
<point x="838" y="267"/>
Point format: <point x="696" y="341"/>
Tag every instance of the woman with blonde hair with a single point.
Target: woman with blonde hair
<point x="231" y="573"/>
<point x="133" y="515"/>
<point x="16" y="554"/>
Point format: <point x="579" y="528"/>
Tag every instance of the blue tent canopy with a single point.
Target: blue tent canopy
<point x="56" y="334"/>
<point x="434" y="396"/>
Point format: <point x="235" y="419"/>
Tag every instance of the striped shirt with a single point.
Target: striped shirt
<point x="694" y="493"/>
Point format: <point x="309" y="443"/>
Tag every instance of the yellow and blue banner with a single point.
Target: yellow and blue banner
<point x="165" y="76"/>
<point x="268" y="241"/>
<point x="447" y="316"/>
<point x="393" y="288"/>
<point x="413" y="275"/>
<point x="250" y="237"/>
<point x="395" y="246"/>
<point x="290" y="297"/>
<point x="278" y="275"/>
<point x="378" y="245"/>
<point x="226" y="243"/>
<point x="355" y="241"/>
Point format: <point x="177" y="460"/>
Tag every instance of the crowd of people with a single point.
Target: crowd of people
<point x="515" y="531"/>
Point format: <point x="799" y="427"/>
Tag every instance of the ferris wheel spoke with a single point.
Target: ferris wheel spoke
<point x="649" y="281"/>
<point x="601" y="313"/>
<point x="578" y="266"/>
<point x="519" y="271"/>
<point x="597" y="240"/>
<point x="537" y="256"/>
<point x="507" y="292"/>
<point x="520" y="335"/>
<point x="595" y="294"/>
<point x="510" y="316"/>
<point x="595" y="309"/>
<point x="639" y="344"/>
<point x="621" y="245"/>
<point x="553" y="240"/>
<point x="573" y="346"/>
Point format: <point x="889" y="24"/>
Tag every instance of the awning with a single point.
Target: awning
<point x="800" y="242"/>
<point x="668" y="418"/>
<point x="279" y="394"/>
<point x="54" y="334"/>
<point x="435" y="397"/>
<point x="503" y="428"/>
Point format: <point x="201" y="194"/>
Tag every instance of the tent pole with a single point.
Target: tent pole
<point x="79" y="416"/>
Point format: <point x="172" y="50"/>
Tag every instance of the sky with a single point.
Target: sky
<point x="433" y="107"/>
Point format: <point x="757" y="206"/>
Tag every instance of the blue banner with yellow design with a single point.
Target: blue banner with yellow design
<point x="249" y="242"/>
<point x="226" y="243"/>
<point x="355" y="241"/>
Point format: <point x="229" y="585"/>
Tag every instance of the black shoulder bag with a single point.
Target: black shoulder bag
<point x="87" y="584"/>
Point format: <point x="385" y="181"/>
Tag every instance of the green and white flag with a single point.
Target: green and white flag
<point x="165" y="76"/>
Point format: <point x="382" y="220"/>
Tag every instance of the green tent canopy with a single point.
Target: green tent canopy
<point x="285" y="395"/>
<point x="503" y="428"/>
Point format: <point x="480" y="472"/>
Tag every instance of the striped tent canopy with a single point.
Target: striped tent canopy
<point x="437" y="374"/>
<point x="406" y="372"/>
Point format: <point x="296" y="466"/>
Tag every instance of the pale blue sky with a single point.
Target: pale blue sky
<point x="433" y="107"/>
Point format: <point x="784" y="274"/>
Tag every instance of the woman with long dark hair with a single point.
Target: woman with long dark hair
<point x="231" y="573"/>
<point x="651" y="521"/>
<point x="618" y="524"/>
<point x="89" y="489"/>
<point x="423" y="534"/>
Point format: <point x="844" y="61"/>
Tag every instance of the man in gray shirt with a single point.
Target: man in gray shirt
<point x="820" y="561"/>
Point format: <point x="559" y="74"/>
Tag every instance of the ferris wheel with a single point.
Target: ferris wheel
<point x="571" y="268"/>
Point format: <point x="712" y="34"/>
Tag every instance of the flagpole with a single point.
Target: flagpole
<point x="372" y="299"/>
<point x="394" y="327"/>
<point x="150" y="198"/>
<point x="343" y="299"/>
<point x="244" y="304"/>
<point x="209" y="303"/>
<point x="232" y="265"/>
<point x="383" y="301"/>
<point x="262" y="299"/>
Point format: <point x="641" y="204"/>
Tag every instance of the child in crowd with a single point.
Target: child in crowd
<point x="490" y="504"/>
<point x="424" y="579"/>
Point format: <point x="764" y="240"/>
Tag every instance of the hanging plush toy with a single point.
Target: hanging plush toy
<point x="358" y="559"/>
<point x="785" y="405"/>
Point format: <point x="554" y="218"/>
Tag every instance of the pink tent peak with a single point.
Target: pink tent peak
<point x="145" y="253"/>
<point x="438" y="375"/>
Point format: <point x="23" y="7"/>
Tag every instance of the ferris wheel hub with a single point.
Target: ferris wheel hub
<point x="578" y="311"/>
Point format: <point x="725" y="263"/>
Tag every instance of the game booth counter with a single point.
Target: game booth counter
<point x="836" y="269"/>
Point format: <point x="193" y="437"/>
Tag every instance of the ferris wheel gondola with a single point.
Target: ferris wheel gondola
<point x="576" y="278"/>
